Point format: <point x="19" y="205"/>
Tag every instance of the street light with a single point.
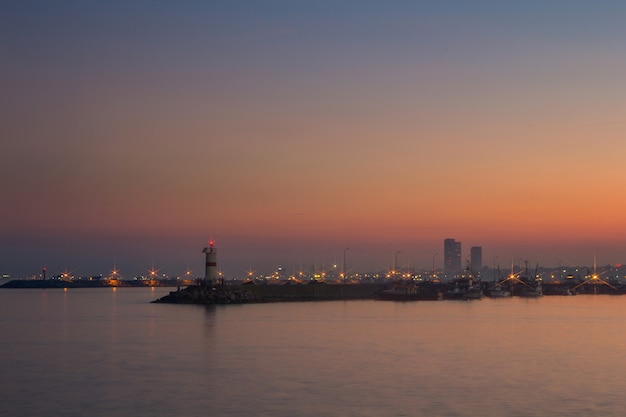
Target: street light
<point x="494" y="268"/>
<point x="344" y="264"/>
<point x="434" y="262"/>
<point x="395" y="264"/>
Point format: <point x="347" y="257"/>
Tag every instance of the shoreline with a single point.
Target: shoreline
<point x="52" y="283"/>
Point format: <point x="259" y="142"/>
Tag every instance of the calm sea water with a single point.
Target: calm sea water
<point x="105" y="352"/>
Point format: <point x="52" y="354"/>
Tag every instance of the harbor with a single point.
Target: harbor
<point x="469" y="286"/>
<point x="395" y="291"/>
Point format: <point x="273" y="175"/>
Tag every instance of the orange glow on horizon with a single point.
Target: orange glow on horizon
<point x="376" y="149"/>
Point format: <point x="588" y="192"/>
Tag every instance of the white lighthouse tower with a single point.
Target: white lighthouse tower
<point x="210" y="269"/>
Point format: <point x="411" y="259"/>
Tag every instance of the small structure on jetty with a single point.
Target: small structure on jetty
<point x="210" y="266"/>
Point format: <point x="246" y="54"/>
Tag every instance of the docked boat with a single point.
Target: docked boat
<point x="473" y="293"/>
<point x="529" y="291"/>
<point x="564" y="291"/>
<point x="460" y="292"/>
<point x="499" y="292"/>
<point x="558" y="289"/>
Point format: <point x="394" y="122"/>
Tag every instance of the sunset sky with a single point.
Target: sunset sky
<point x="135" y="131"/>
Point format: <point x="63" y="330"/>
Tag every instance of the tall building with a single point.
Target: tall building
<point x="476" y="254"/>
<point x="451" y="255"/>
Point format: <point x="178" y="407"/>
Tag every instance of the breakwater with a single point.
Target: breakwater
<point x="400" y="291"/>
<point x="237" y="294"/>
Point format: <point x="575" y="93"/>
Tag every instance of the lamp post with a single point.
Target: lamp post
<point x="434" y="255"/>
<point x="494" y="269"/>
<point x="395" y="264"/>
<point x="344" y="265"/>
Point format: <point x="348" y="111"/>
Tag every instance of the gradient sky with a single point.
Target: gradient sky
<point x="134" y="131"/>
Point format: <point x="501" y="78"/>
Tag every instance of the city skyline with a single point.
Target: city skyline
<point x="332" y="265"/>
<point x="135" y="132"/>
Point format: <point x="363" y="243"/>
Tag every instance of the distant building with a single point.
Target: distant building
<point x="476" y="254"/>
<point x="452" y="255"/>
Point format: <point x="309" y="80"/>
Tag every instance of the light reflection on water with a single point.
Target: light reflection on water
<point x="101" y="352"/>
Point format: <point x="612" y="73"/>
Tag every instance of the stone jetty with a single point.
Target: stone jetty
<point x="253" y="293"/>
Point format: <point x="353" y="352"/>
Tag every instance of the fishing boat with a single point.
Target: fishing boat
<point x="464" y="290"/>
<point x="531" y="291"/>
<point x="499" y="292"/>
<point x="473" y="293"/>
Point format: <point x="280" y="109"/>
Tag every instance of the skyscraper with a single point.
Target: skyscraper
<point x="451" y="255"/>
<point x="476" y="253"/>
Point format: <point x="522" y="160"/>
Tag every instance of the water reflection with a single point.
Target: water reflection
<point x="210" y="316"/>
<point x="114" y="353"/>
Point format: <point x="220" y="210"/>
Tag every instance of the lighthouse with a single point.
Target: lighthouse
<point x="210" y="269"/>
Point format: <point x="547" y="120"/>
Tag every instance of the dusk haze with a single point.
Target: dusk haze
<point x="289" y="208"/>
<point x="133" y="132"/>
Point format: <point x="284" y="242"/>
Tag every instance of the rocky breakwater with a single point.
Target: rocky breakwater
<point x="204" y="294"/>
<point x="239" y="294"/>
